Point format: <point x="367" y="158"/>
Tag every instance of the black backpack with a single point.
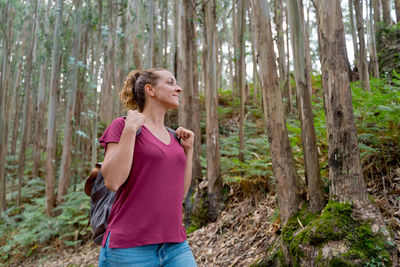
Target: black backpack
<point x="102" y="199"/>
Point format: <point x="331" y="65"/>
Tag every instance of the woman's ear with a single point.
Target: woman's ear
<point x="149" y="90"/>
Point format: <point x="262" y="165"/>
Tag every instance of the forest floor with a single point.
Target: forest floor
<point x="243" y="231"/>
<point x="239" y="237"/>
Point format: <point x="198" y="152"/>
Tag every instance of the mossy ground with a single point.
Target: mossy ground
<point x="334" y="224"/>
<point x="277" y="257"/>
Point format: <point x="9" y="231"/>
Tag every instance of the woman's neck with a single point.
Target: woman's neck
<point x="154" y="117"/>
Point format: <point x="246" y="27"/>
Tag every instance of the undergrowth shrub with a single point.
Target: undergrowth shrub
<point x="25" y="230"/>
<point x="377" y="115"/>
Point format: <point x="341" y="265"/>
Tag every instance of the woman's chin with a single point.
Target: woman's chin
<point x="176" y="104"/>
<point x="173" y="106"/>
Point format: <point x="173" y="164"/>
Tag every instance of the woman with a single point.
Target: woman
<point x="151" y="172"/>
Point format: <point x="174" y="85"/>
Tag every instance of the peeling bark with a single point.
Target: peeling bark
<point x="303" y="86"/>
<point x="212" y="132"/>
<point x="52" y="111"/>
<point x="362" y="61"/>
<point x="282" y="159"/>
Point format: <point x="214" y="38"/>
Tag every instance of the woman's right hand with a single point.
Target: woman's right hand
<point x="134" y="120"/>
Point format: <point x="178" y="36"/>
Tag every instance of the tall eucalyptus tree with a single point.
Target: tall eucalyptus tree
<point x="362" y="61"/>
<point x="287" y="183"/>
<point x="52" y="111"/>
<point x="65" y="173"/>
<point x="345" y="173"/>
<point x="303" y="86"/>
<point x="189" y="113"/>
<point x="212" y="131"/>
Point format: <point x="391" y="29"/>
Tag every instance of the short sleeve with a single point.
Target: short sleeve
<point x="113" y="132"/>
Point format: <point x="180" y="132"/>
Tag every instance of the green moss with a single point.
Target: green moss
<point x="275" y="255"/>
<point x="367" y="246"/>
<point x="281" y="257"/>
<point x="199" y="218"/>
<point x="371" y="199"/>
<point x="335" y="223"/>
<point x="331" y="225"/>
<point x="276" y="259"/>
<point x="293" y="225"/>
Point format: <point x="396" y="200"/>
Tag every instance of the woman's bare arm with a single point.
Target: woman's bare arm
<point x="188" y="171"/>
<point x="118" y="158"/>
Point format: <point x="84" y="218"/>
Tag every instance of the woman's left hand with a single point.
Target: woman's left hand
<point x="187" y="138"/>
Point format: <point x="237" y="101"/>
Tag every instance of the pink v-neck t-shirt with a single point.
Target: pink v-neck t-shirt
<point x="148" y="206"/>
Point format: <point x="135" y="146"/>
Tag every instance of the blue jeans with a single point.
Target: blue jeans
<point x="166" y="255"/>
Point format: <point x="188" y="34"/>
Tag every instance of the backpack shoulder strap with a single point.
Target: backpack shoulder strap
<point x="174" y="134"/>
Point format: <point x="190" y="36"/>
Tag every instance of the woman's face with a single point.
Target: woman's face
<point x="167" y="91"/>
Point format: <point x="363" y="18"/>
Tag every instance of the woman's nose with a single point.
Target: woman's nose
<point x="178" y="88"/>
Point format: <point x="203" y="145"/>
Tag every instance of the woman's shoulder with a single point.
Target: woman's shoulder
<point x="113" y="132"/>
<point x="116" y="126"/>
<point x="117" y="122"/>
<point x="119" y="119"/>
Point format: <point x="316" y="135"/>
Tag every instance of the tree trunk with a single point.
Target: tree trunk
<point x="107" y="100"/>
<point x="150" y="40"/>
<point x="290" y="99"/>
<point x="53" y="104"/>
<point x="136" y="51"/>
<point x="397" y="8"/>
<point x="82" y="157"/>
<point x="235" y="89"/>
<point x="386" y="10"/>
<point x="165" y="31"/>
<point x="353" y="34"/>
<point x="41" y="102"/>
<point x="188" y="111"/>
<point x="4" y="127"/>
<point x="362" y="62"/>
<point x="212" y="132"/>
<point x="197" y="168"/>
<point x="122" y="67"/>
<point x="95" y="81"/>
<point x="376" y="6"/>
<point x="156" y="38"/>
<point x="280" y="43"/>
<point x="67" y="143"/>
<point x="281" y="153"/>
<point x="254" y="58"/>
<point x="373" y="53"/>
<point x="303" y="86"/>
<point x="307" y="44"/>
<point x="242" y="74"/>
<point x="345" y="172"/>
<point x="17" y="105"/>
<point x="4" y="112"/>
<point x="40" y="107"/>
<point x="114" y="64"/>
<point x="218" y="48"/>
<point x="173" y="65"/>
<point x="27" y="116"/>
<point x="220" y="55"/>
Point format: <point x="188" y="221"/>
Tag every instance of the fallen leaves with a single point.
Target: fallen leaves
<point x="239" y="237"/>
